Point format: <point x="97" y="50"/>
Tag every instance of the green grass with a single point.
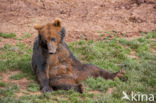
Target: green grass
<point x="27" y="35"/>
<point x="110" y="33"/>
<point x="33" y="87"/>
<point x="9" y="90"/>
<point x="17" y="76"/>
<point x="2" y="84"/>
<point x="16" y="60"/>
<point x="10" y="35"/>
<point x="111" y="55"/>
<point x="103" y="34"/>
<point x="101" y="84"/>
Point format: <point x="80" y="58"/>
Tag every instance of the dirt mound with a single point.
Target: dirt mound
<point x="81" y="17"/>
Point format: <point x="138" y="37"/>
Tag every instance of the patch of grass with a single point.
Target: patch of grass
<point x="33" y="87"/>
<point x="9" y="91"/>
<point x="18" y="38"/>
<point x="0" y="39"/>
<point x="16" y="59"/>
<point x="2" y="84"/>
<point x="27" y="35"/>
<point x="112" y="55"/>
<point x="10" y="35"/>
<point x="101" y="84"/>
<point x="140" y="45"/>
<point x="0" y="77"/>
<point x="17" y="76"/>
<point x="103" y="34"/>
<point x="150" y="35"/>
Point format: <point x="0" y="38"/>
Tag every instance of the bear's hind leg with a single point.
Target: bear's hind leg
<point x="108" y="75"/>
<point x="90" y="70"/>
<point x="66" y="83"/>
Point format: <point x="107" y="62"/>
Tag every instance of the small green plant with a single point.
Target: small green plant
<point x="28" y="35"/>
<point x="113" y="33"/>
<point x="10" y="35"/>
<point x="33" y="87"/>
<point x="100" y="31"/>
<point x="103" y="34"/>
<point x="17" y="76"/>
<point x="2" y="84"/>
<point x="153" y="34"/>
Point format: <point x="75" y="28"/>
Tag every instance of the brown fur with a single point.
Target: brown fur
<point x="62" y="70"/>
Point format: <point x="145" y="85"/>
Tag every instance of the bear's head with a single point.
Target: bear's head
<point x="51" y="35"/>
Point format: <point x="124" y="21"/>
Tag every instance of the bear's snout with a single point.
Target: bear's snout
<point x="51" y="49"/>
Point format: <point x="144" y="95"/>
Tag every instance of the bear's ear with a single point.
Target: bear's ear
<point x="63" y="33"/>
<point x="57" y="22"/>
<point x="38" y="27"/>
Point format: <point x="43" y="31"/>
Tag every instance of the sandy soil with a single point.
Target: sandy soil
<point x="22" y="83"/>
<point x="82" y="18"/>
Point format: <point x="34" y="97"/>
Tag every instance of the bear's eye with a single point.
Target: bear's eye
<point x="53" y="39"/>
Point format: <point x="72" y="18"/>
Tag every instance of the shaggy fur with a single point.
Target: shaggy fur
<point x="55" y="65"/>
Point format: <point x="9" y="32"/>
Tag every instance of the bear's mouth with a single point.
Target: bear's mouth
<point x="52" y="51"/>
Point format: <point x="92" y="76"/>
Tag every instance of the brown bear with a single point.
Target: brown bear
<point x="55" y="65"/>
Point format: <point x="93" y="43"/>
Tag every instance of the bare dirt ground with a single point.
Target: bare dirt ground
<point x="82" y="18"/>
<point x="22" y="83"/>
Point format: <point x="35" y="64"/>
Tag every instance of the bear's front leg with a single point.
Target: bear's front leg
<point x="43" y="79"/>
